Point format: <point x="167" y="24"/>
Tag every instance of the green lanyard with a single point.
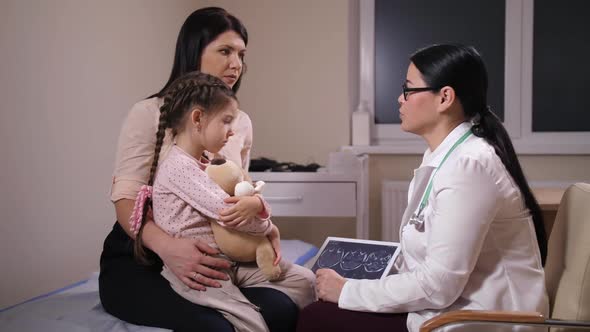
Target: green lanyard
<point x="429" y="187"/>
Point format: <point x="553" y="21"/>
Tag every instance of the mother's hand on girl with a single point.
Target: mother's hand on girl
<point x="191" y="261"/>
<point x="329" y="285"/>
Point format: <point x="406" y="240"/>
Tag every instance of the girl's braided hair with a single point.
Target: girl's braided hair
<point x="194" y="89"/>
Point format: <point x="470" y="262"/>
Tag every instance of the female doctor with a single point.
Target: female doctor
<point x="472" y="236"/>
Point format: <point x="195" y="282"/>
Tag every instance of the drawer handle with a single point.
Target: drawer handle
<point x="283" y="199"/>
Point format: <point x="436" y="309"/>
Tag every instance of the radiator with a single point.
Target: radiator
<point x="394" y="199"/>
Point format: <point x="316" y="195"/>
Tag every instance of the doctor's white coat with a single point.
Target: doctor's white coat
<point x="477" y="249"/>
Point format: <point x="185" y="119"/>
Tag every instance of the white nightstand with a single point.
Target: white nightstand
<point x="340" y="191"/>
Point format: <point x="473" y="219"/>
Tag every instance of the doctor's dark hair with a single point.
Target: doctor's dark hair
<point x="210" y="94"/>
<point x="199" y="29"/>
<point x="462" y="68"/>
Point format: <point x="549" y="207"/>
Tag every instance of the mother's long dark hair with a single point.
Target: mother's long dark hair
<point x="199" y="29"/>
<point x="462" y="68"/>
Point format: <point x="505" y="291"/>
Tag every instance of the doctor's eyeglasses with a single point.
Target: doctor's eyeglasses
<point x="407" y="90"/>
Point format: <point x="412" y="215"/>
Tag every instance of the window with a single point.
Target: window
<point x="561" y="49"/>
<point x="402" y="27"/>
<point x="543" y="116"/>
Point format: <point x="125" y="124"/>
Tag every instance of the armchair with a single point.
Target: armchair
<point x="567" y="274"/>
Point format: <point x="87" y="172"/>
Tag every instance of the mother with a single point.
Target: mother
<point x="213" y="41"/>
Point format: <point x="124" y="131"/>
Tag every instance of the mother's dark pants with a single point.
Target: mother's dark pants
<point x="140" y="295"/>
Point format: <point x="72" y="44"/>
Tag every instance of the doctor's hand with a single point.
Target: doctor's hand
<point x="244" y="209"/>
<point x="329" y="285"/>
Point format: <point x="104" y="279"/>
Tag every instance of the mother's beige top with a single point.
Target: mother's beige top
<point x="137" y="142"/>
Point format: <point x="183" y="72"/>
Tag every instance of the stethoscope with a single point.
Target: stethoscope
<point x="417" y="218"/>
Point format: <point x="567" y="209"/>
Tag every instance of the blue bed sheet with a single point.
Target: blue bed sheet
<point x="77" y="307"/>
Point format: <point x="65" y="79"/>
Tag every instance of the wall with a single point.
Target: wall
<point x="298" y="84"/>
<point x="69" y="72"/>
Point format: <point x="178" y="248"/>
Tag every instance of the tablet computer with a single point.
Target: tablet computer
<point x="357" y="259"/>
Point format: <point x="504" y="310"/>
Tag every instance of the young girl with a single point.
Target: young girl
<point x="200" y="109"/>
